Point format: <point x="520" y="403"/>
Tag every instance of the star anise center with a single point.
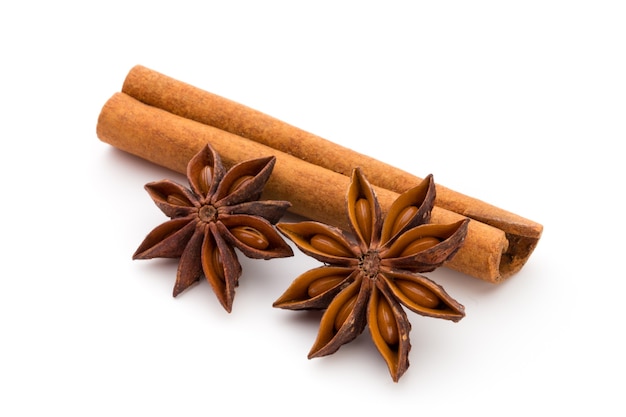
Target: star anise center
<point x="207" y="213"/>
<point x="369" y="264"/>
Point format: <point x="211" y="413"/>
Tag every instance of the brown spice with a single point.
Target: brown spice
<point x="371" y="273"/>
<point x="314" y="192"/>
<point x="220" y="212"/>
<point x="161" y="91"/>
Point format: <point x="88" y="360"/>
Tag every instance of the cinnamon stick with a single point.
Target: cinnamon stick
<point x="315" y="192"/>
<point x="185" y="100"/>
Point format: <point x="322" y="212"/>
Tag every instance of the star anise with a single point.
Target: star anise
<point x="220" y="212"/>
<point x="370" y="273"/>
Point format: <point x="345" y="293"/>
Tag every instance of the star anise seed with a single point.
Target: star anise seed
<point x="220" y="212"/>
<point x="372" y="272"/>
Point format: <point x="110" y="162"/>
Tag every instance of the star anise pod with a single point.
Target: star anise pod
<point x="371" y="273"/>
<point x="220" y="212"/>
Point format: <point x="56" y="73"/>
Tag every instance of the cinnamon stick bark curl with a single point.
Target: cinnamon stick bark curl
<point x="156" y="89"/>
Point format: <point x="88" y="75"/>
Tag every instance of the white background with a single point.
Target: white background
<point x="521" y="104"/>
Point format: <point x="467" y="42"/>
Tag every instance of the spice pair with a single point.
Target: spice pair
<point x="367" y="276"/>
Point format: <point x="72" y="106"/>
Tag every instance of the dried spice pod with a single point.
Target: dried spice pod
<point x="372" y="273"/>
<point x="220" y="212"/>
<point x="315" y="288"/>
